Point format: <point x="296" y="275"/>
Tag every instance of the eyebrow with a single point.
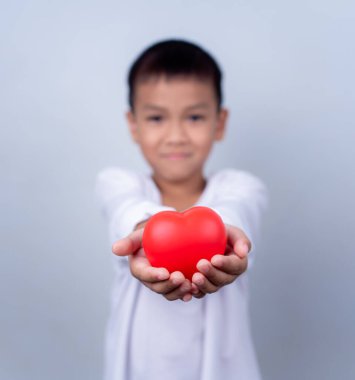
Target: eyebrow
<point x="198" y="105"/>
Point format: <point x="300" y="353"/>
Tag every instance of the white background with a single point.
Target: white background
<point x="289" y="84"/>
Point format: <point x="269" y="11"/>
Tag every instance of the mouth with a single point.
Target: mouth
<point x="176" y="156"/>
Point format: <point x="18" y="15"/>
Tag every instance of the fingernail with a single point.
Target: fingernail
<point x="217" y="261"/>
<point x="186" y="297"/>
<point x="161" y="276"/>
<point x="204" y="266"/>
<point x="243" y="249"/>
<point x="246" y="248"/>
<point x="175" y="281"/>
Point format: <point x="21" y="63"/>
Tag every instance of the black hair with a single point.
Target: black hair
<point x="174" y="58"/>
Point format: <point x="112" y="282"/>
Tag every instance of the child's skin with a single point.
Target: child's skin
<point x="175" y="122"/>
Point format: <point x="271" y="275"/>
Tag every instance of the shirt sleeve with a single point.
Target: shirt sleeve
<point x="123" y="202"/>
<point x="240" y="199"/>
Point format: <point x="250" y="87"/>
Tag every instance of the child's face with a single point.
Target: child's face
<point x="176" y="123"/>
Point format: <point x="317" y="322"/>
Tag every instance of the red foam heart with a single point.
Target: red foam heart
<point x="178" y="240"/>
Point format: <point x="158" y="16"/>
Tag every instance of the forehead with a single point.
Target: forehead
<point x="175" y="92"/>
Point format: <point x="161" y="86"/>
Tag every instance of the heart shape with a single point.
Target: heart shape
<point x="178" y="240"/>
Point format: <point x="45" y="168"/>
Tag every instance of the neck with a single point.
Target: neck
<point x="181" y="192"/>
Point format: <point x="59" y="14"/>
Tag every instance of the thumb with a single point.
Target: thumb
<point x="129" y="244"/>
<point x="239" y="241"/>
<point x="242" y="247"/>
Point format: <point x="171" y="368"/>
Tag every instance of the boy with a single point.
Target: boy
<point x="175" y="116"/>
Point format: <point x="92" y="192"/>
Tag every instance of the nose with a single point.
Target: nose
<point x="176" y="133"/>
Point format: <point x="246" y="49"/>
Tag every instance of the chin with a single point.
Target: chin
<point x="176" y="175"/>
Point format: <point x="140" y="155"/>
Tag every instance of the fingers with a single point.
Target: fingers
<point x="176" y="287"/>
<point x="203" y="284"/>
<point x="128" y="244"/>
<point x="172" y="286"/>
<point x="221" y="271"/>
<point x="230" y="264"/>
<point x="238" y="240"/>
<point x="214" y="275"/>
<point x="196" y="292"/>
<point x="167" y="286"/>
<point x="143" y="271"/>
<point x="182" y="292"/>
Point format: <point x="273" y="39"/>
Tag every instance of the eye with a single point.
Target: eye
<point x="154" y="118"/>
<point x="196" y="117"/>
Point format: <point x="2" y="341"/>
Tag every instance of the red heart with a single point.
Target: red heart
<point x="178" y="240"/>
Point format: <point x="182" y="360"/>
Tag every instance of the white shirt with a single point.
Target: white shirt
<point x="148" y="337"/>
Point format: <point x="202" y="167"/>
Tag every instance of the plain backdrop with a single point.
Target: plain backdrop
<point x="289" y="84"/>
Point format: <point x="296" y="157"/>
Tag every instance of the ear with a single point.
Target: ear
<point x="221" y="124"/>
<point x="133" y="127"/>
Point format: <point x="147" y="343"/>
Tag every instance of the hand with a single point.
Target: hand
<point x="172" y="286"/>
<point x="222" y="269"/>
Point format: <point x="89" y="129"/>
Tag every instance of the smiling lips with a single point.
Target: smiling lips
<point x="176" y="156"/>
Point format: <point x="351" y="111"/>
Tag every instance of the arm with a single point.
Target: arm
<point x="239" y="200"/>
<point x="222" y="269"/>
<point x="123" y="202"/>
<point x="126" y="211"/>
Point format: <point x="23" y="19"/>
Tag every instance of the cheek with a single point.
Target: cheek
<point x="202" y="139"/>
<point x="149" y="141"/>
